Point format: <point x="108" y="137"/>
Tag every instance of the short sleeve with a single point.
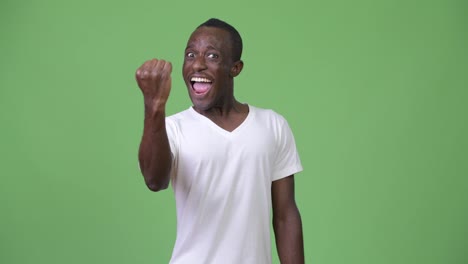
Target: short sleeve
<point x="287" y="160"/>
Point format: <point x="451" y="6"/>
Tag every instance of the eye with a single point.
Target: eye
<point x="190" y="54"/>
<point x="213" y="56"/>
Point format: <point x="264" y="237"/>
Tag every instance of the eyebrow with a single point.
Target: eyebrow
<point x="211" y="47"/>
<point x="208" y="47"/>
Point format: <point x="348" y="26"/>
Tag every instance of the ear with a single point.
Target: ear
<point x="237" y="68"/>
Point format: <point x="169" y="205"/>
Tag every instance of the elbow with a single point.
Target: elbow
<point x="291" y="217"/>
<point x="157" y="186"/>
<point x="156" y="179"/>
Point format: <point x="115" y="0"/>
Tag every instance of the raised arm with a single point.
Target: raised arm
<point x="154" y="80"/>
<point x="287" y="222"/>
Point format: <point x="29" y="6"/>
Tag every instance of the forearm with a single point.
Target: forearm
<point x="289" y="238"/>
<point x="154" y="153"/>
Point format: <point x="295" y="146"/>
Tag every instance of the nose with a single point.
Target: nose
<point x="199" y="64"/>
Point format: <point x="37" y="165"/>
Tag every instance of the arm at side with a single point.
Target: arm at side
<point x="287" y="222"/>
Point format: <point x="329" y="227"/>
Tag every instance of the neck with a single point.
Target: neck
<point x="225" y="109"/>
<point x="229" y="116"/>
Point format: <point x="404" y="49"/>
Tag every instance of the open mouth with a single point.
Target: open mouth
<point x="200" y="85"/>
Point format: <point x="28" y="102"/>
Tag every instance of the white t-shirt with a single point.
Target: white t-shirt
<point x="222" y="185"/>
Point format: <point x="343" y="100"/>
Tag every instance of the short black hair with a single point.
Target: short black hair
<point x="235" y="36"/>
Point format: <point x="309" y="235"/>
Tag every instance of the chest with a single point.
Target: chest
<point x="211" y="146"/>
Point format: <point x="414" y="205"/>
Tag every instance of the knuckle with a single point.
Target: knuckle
<point x="154" y="74"/>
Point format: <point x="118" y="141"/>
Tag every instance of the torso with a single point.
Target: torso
<point x="223" y="170"/>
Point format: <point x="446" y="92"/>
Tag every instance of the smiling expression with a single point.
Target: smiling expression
<point x="208" y="68"/>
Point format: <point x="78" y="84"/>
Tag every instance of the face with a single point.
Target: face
<point x="208" y="68"/>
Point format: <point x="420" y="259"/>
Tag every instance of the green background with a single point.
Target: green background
<point x="375" y="92"/>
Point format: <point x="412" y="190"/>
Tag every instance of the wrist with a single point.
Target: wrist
<point x="155" y="106"/>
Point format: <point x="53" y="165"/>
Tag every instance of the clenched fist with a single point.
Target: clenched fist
<point x="154" y="80"/>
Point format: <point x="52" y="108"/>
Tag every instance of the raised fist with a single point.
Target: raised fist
<point x="154" y="80"/>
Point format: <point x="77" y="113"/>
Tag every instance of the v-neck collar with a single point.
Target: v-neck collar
<point x="221" y="130"/>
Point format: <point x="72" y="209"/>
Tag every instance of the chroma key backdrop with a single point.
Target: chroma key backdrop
<point x="374" y="91"/>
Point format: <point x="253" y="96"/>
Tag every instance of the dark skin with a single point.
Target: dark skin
<point x="208" y="55"/>
<point x="287" y="222"/>
<point x="208" y="59"/>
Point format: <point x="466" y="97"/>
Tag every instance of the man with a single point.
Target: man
<point x="230" y="163"/>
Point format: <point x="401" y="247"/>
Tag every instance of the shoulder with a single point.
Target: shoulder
<point x="174" y="122"/>
<point x="179" y="117"/>
<point x="269" y="115"/>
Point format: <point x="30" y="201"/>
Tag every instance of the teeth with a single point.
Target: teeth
<point x="198" y="79"/>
